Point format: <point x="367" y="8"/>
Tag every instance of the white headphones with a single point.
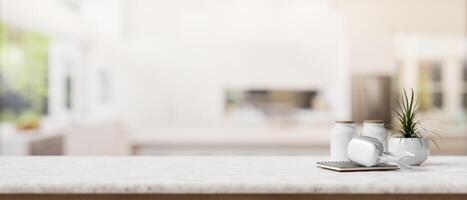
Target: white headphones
<point x="368" y="151"/>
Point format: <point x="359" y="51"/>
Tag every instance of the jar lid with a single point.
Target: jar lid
<point x="345" y="122"/>
<point x="373" y="121"/>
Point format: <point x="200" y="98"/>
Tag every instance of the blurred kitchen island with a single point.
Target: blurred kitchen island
<point x="259" y="140"/>
<point x="306" y="139"/>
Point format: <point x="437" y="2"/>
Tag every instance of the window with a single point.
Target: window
<point x="23" y="73"/>
<point x="430" y="85"/>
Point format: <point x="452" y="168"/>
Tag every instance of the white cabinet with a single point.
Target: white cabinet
<point x="434" y="66"/>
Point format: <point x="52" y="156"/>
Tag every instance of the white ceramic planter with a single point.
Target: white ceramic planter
<point x="420" y="147"/>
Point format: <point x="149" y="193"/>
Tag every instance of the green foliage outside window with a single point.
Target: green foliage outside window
<point x="23" y="73"/>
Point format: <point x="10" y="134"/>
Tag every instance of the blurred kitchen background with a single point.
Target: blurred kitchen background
<point x="223" y="77"/>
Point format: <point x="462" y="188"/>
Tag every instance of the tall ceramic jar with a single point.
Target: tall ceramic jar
<point x="375" y="129"/>
<point x="341" y="135"/>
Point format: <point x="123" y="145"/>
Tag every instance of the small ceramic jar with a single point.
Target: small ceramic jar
<point x="375" y="129"/>
<point x="341" y="135"/>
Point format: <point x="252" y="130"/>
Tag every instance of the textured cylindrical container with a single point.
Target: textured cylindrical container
<point x="375" y="129"/>
<point x="341" y="135"/>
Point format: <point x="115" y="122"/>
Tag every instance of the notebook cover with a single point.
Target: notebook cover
<point x="347" y="166"/>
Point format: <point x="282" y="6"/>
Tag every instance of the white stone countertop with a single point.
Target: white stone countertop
<point x="214" y="175"/>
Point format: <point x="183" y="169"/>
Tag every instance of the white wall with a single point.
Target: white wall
<point x="180" y="56"/>
<point x="374" y="24"/>
<point x="87" y="20"/>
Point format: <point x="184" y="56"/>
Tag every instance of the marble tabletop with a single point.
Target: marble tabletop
<point x="219" y="175"/>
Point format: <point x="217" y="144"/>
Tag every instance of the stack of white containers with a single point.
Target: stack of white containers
<point x="344" y="131"/>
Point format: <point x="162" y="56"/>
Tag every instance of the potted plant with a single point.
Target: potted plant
<point x="28" y="121"/>
<point x="410" y="135"/>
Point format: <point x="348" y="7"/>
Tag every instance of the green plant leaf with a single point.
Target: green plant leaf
<point x="406" y="117"/>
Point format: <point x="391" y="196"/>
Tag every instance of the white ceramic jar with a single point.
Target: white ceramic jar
<point x="375" y="129"/>
<point x="341" y="135"/>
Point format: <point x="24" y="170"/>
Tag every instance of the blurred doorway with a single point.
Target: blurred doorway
<point x="371" y="98"/>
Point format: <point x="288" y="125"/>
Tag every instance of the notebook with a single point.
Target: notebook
<point x="348" y="166"/>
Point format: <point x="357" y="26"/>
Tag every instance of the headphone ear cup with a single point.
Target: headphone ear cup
<point x="378" y="143"/>
<point x="364" y="151"/>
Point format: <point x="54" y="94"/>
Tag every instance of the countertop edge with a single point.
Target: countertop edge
<point x="154" y="189"/>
